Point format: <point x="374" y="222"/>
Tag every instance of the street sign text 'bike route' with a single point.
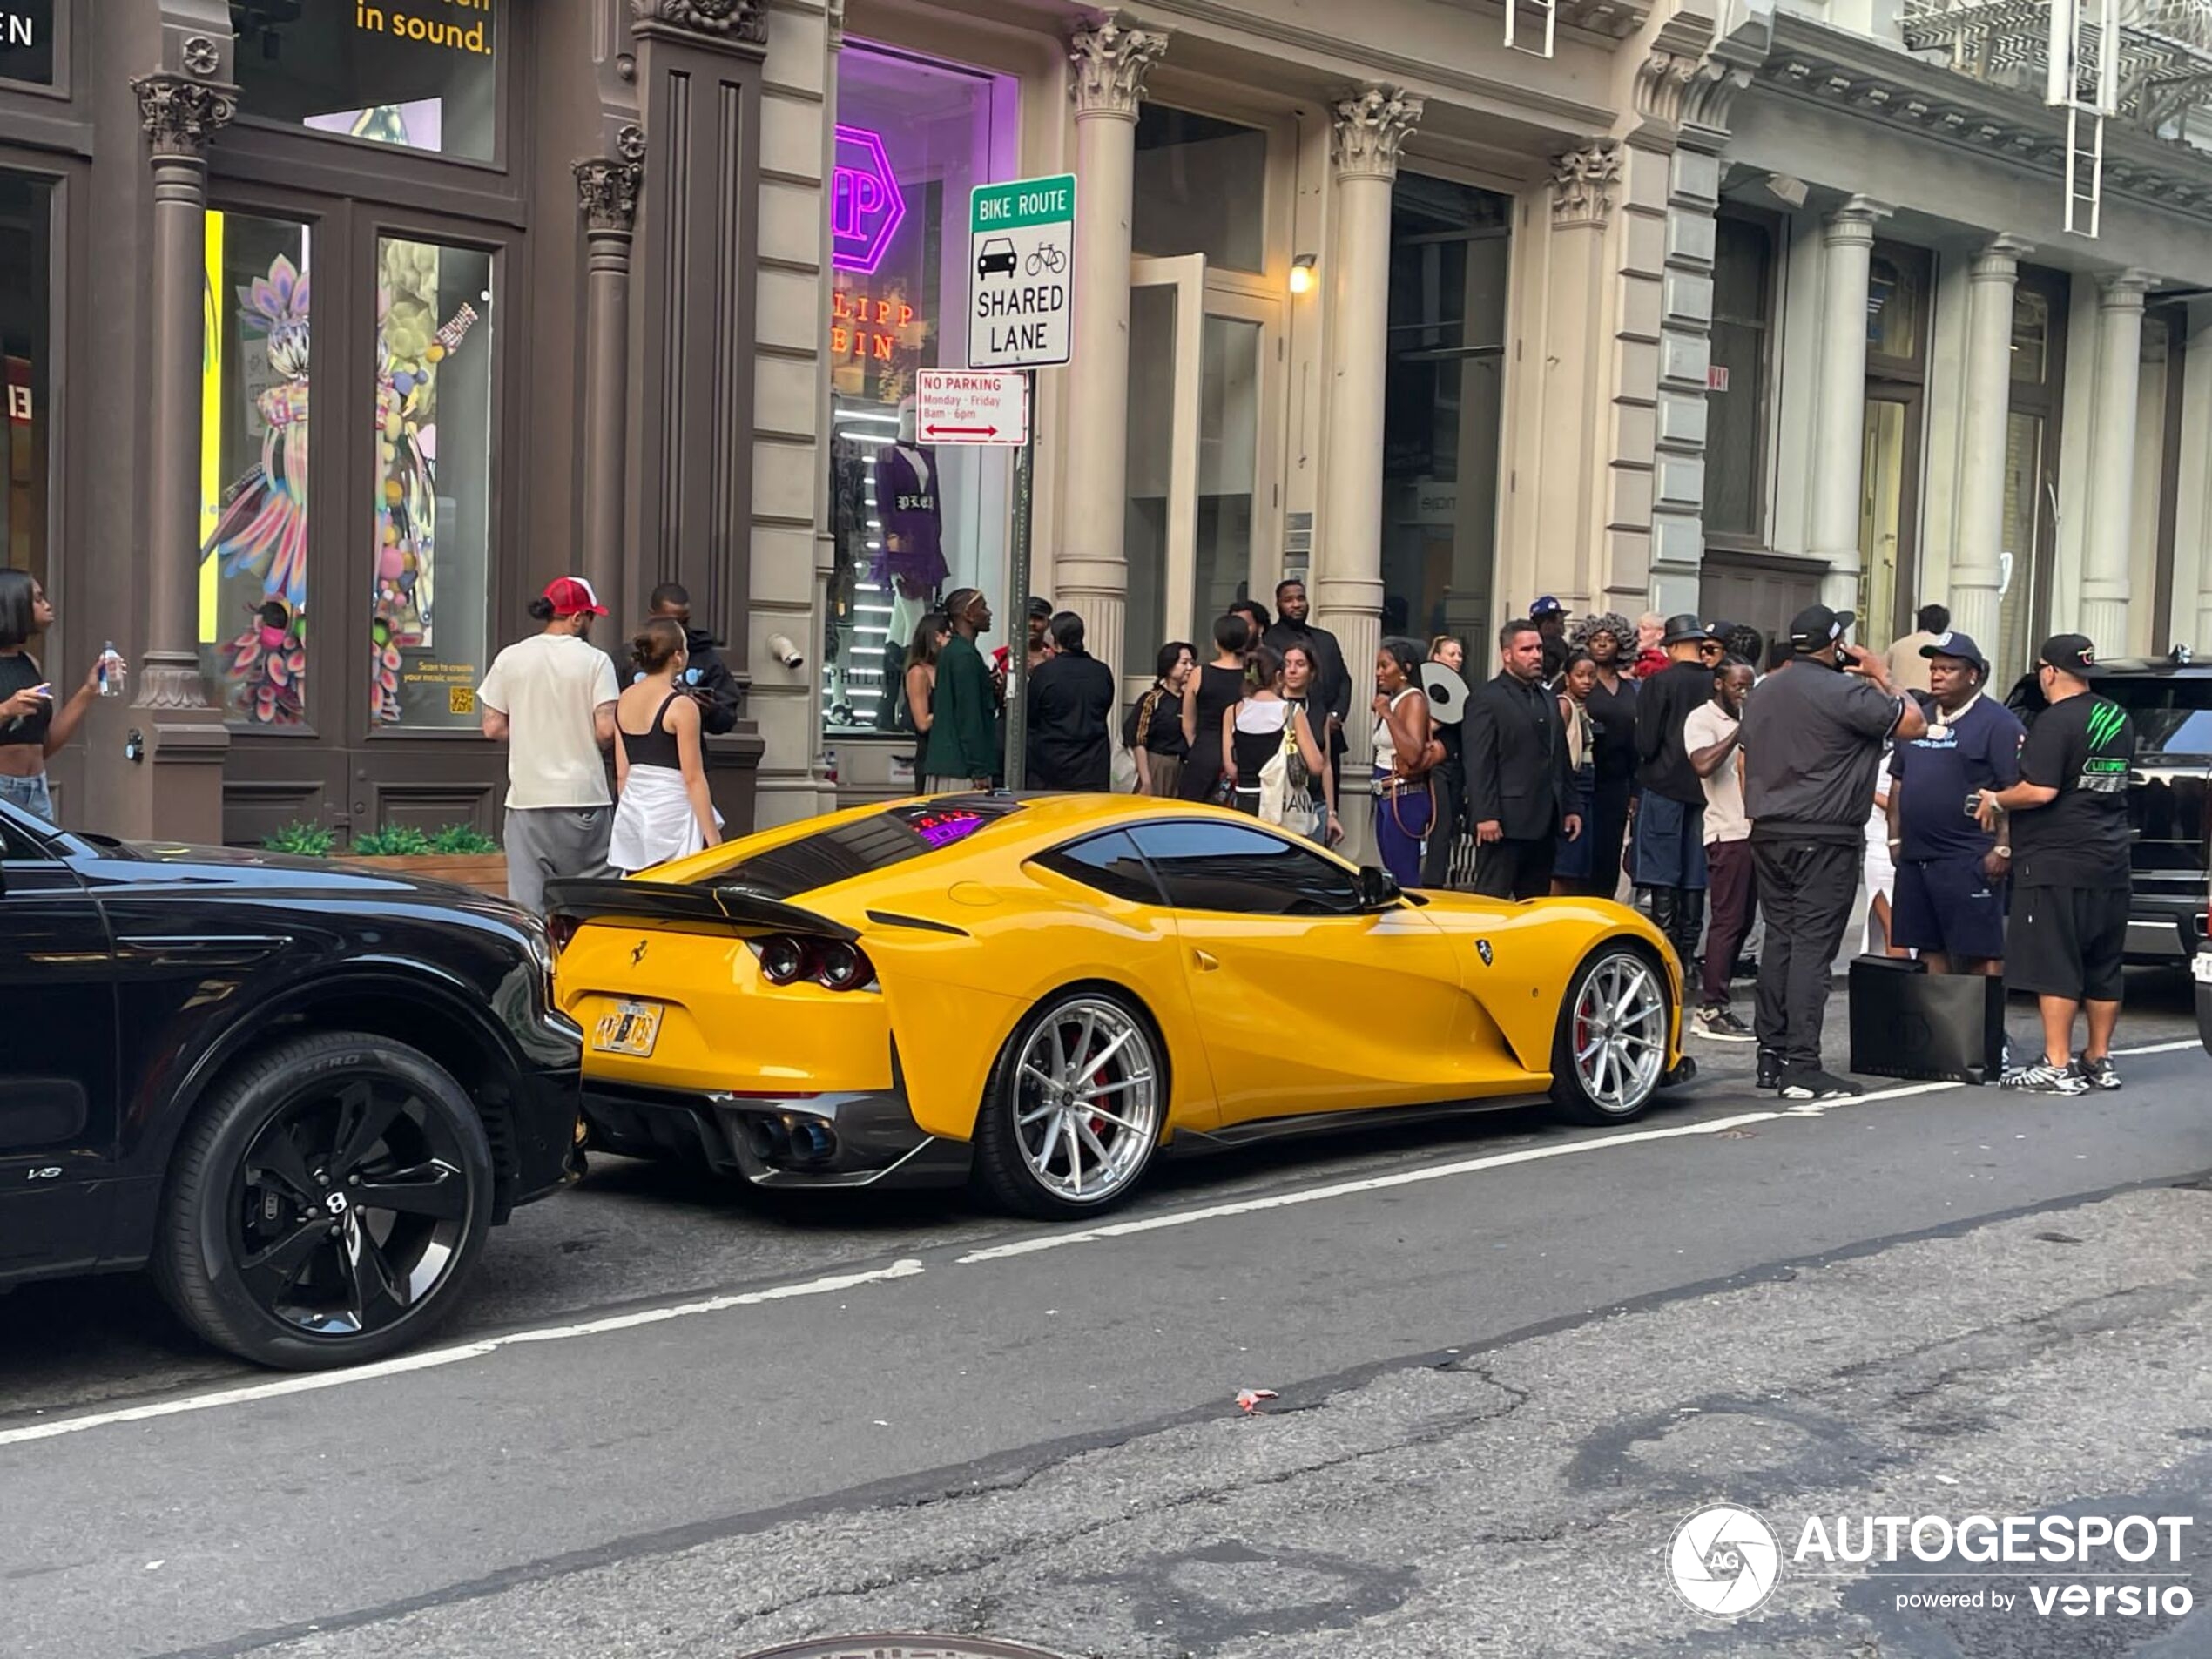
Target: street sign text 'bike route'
<point x="1022" y="253"/>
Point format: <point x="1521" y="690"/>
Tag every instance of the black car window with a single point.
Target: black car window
<point x="2173" y="716"/>
<point x="860" y="846"/>
<point x="1109" y="863"/>
<point x="1208" y="866"/>
<point x="18" y="844"/>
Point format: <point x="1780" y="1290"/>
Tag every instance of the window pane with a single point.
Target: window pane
<point x="1896" y="305"/>
<point x="1151" y="461"/>
<point x="431" y="546"/>
<point x="1881" y="523"/>
<point x="254" y="467"/>
<point x="1443" y="397"/>
<point x="1228" y="456"/>
<point x="1734" y="414"/>
<point x="1108" y="863"/>
<point x="24" y="252"/>
<point x="1201" y="188"/>
<point x="423" y="76"/>
<point x="27" y="41"/>
<point x="2020" y="549"/>
<point x="1206" y="865"/>
<point x="2031" y="337"/>
<point x="910" y="520"/>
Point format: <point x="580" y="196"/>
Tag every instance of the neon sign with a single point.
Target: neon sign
<point x="865" y="204"/>
<point x="860" y="327"/>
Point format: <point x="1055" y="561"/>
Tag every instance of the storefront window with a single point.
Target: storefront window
<point x="1448" y="256"/>
<point x="1201" y="188"/>
<point x="421" y="74"/>
<point x="911" y="520"/>
<point x="1229" y="392"/>
<point x="430" y="592"/>
<point x="24" y="349"/>
<point x="1735" y="402"/>
<point x="1896" y="302"/>
<point x="254" y="467"/>
<point x="27" y="41"/>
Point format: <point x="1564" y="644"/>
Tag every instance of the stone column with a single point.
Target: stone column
<point x="607" y="199"/>
<point x="2104" y="542"/>
<point x="180" y="114"/>
<point x="1372" y="126"/>
<point x="1839" y="415"/>
<point x="1976" y="573"/>
<point x="1091" y="574"/>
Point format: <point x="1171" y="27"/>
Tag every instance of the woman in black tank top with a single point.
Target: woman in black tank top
<point x="664" y="811"/>
<point x="1207" y="698"/>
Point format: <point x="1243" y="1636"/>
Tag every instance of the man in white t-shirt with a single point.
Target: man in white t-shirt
<point x="552" y="698"/>
<point x="1710" y="735"/>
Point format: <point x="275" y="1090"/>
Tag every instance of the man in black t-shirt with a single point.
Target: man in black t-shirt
<point x="2070" y="869"/>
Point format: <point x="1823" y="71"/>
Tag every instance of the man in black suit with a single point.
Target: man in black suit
<point x="1519" y="782"/>
<point x="1072" y="708"/>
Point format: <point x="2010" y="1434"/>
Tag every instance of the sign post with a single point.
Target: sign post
<point x="1021" y="252"/>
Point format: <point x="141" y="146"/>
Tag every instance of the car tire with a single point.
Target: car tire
<point x="1086" y="1063"/>
<point x="262" y="1258"/>
<point x="1609" y="1056"/>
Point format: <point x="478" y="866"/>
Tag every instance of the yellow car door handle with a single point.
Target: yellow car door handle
<point x="1206" y="963"/>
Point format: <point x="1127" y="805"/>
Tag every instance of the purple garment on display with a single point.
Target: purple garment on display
<point x="906" y="502"/>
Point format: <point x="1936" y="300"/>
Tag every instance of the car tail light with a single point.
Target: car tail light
<point x="833" y="964"/>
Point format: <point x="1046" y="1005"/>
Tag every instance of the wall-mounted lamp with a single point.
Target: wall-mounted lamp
<point x="1302" y="273"/>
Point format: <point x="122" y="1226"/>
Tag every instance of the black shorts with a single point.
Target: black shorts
<point x="2068" y="942"/>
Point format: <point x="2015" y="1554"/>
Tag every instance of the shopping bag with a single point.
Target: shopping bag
<point x="1908" y="1022"/>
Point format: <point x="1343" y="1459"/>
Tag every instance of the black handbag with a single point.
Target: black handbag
<point x="1908" y="1022"/>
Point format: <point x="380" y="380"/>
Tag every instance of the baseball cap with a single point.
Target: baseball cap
<point x="571" y="596"/>
<point x="1817" y="627"/>
<point x="1954" y="643"/>
<point x="2072" y="654"/>
<point x="1547" y="606"/>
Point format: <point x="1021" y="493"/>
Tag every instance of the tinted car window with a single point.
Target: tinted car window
<point x="2173" y="713"/>
<point x="863" y="844"/>
<point x="1205" y="866"/>
<point x="1109" y="863"/>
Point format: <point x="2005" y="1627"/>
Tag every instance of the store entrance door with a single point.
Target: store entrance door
<point x="1204" y="412"/>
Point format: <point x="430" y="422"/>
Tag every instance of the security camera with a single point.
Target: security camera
<point x="781" y="647"/>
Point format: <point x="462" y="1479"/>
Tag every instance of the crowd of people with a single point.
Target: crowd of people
<point x="1657" y="756"/>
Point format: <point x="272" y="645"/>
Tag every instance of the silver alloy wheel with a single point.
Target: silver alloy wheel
<point x="1087" y="1099"/>
<point x="1620" y="1034"/>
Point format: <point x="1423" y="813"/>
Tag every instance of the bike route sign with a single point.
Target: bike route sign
<point x="1022" y="257"/>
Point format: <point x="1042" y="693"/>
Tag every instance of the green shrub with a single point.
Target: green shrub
<point x="456" y="840"/>
<point x="392" y="841"/>
<point x="302" y="840"/>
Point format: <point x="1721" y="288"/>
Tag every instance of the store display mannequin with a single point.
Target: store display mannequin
<point x="912" y="563"/>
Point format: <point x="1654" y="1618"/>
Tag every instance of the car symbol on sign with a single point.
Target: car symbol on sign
<point x="998" y="256"/>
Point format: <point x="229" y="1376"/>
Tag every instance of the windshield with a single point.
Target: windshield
<point x="863" y="844"/>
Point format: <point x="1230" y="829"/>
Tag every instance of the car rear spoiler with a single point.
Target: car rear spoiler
<point x="665" y="903"/>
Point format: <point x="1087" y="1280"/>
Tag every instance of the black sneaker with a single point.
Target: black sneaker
<point x="1769" y="1069"/>
<point x="2097" y="1074"/>
<point x="2044" y="1078"/>
<point x="1817" y="1084"/>
<point x="1720" y="1025"/>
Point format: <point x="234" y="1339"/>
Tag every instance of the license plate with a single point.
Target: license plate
<point x="2202" y="968"/>
<point x="629" y="1029"/>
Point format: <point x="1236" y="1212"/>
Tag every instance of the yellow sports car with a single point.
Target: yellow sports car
<point x="1045" y="991"/>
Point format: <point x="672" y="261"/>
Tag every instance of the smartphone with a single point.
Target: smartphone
<point x="45" y="691"/>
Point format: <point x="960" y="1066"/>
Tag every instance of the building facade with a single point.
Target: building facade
<point x="1642" y="303"/>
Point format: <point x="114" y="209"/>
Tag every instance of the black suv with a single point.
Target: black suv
<point x="2170" y="701"/>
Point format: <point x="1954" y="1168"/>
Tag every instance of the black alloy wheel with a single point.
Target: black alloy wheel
<point x="326" y="1205"/>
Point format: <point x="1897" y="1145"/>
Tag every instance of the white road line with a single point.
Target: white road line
<point x="434" y="1358"/>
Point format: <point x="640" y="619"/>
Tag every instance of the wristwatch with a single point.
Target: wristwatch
<point x="2002" y="852"/>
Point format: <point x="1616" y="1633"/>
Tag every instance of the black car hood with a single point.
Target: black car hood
<point x="246" y="867"/>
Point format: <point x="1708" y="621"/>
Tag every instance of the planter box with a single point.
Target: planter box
<point x="485" y="872"/>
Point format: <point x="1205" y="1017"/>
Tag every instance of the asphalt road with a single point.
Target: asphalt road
<point x="1510" y="1357"/>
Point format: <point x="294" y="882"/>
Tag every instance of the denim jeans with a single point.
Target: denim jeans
<point x="30" y="794"/>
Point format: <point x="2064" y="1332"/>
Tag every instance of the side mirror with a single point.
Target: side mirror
<point x="1378" y="888"/>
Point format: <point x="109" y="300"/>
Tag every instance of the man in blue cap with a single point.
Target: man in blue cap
<point x="1950" y="871"/>
<point x="1550" y="617"/>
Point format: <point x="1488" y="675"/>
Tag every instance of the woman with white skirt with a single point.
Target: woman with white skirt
<point x="664" y="811"/>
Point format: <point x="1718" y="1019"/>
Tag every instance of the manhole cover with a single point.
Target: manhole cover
<point x="903" y="1647"/>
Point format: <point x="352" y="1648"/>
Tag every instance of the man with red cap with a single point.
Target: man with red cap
<point x="552" y="698"/>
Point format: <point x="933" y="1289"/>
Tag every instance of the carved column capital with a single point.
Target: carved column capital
<point x="606" y="194"/>
<point x="1998" y="258"/>
<point x="1582" y="182"/>
<point x="1371" y="127"/>
<point x="2123" y="290"/>
<point x="1855" y="220"/>
<point x="743" y="21"/>
<point x="180" y="115"/>
<point x="1110" y="59"/>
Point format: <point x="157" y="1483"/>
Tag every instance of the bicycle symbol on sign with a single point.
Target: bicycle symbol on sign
<point x="1050" y="257"/>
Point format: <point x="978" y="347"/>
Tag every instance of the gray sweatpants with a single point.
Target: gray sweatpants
<point x="546" y="842"/>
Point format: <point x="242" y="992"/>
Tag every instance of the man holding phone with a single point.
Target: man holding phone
<point x="1812" y="744"/>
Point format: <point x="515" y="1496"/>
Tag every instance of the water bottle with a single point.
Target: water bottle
<point x="112" y="672"/>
